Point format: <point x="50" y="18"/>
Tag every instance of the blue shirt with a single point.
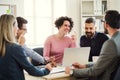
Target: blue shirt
<point x="13" y="63"/>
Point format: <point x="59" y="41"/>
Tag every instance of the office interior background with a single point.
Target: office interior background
<point x="41" y="15"/>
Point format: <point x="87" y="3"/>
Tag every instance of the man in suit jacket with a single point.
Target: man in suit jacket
<point x="108" y="60"/>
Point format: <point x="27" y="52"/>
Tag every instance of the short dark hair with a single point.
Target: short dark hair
<point x="112" y="17"/>
<point x="60" y="21"/>
<point x="21" y="21"/>
<point x="90" y="20"/>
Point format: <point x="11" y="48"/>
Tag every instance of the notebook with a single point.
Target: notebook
<point x="72" y="55"/>
<point x="57" y="69"/>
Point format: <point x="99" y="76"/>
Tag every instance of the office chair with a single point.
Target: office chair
<point x="117" y="75"/>
<point x="39" y="51"/>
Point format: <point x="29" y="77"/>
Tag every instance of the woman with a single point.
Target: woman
<point x="55" y="44"/>
<point x="12" y="56"/>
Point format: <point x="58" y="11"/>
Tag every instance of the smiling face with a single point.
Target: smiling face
<point x="65" y="27"/>
<point x="89" y="29"/>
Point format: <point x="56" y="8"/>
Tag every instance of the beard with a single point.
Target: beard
<point x="105" y="31"/>
<point x="89" y="34"/>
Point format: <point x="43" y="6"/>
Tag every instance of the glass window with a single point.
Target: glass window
<point x="41" y="15"/>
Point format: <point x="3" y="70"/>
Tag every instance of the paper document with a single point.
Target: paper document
<point x="57" y="70"/>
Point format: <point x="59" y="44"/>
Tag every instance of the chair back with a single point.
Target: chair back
<point x="117" y="76"/>
<point x="39" y="51"/>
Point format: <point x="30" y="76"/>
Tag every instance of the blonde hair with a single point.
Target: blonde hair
<point x="7" y="35"/>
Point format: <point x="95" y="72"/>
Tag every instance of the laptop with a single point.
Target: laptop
<point x="72" y="55"/>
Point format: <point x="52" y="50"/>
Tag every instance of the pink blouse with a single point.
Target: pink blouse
<point x="55" y="47"/>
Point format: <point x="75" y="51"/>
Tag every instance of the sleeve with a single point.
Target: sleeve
<point x="21" y="59"/>
<point x="89" y="65"/>
<point x="32" y="54"/>
<point x="47" y="48"/>
<point x="107" y="56"/>
<point x="82" y="42"/>
<point x="71" y="42"/>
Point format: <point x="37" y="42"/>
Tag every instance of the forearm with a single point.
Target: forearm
<point x="89" y="65"/>
<point x="34" y="55"/>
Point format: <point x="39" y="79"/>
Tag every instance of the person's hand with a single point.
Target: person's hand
<point x="52" y="61"/>
<point x="48" y="66"/>
<point x="74" y="37"/>
<point x="77" y="65"/>
<point x="67" y="70"/>
<point x="21" y="39"/>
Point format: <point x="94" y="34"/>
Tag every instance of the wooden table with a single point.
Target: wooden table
<point x="56" y="76"/>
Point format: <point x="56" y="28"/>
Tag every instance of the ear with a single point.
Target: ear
<point x="105" y="25"/>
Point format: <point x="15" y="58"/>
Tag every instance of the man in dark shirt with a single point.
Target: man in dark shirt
<point x="92" y="38"/>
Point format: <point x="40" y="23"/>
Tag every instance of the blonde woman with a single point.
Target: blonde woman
<point x="12" y="56"/>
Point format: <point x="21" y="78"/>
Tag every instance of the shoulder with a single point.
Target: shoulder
<point x="13" y="45"/>
<point x="14" y="48"/>
<point x="50" y="37"/>
<point x="101" y="34"/>
<point x="83" y="37"/>
<point x="109" y="47"/>
<point x="109" y="43"/>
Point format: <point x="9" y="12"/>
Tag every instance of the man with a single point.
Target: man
<point x="92" y="38"/>
<point x="22" y="29"/>
<point x="108" y="60"/>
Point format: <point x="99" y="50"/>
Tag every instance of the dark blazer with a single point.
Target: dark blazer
<point x="107" y="62"/>
<point x="13" y="63"/>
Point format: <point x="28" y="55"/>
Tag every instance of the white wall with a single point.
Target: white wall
<point x="114" y="5"/>
<point x="19" y="5"/>
<point x="73" y="10"/>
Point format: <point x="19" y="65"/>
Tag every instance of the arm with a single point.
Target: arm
<point x="107" y="57"/>
<point x="21" y="59"/>
<point x="72" y="42"/>
<point x="32" y="54"/>
<point x="46" y="52"/>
